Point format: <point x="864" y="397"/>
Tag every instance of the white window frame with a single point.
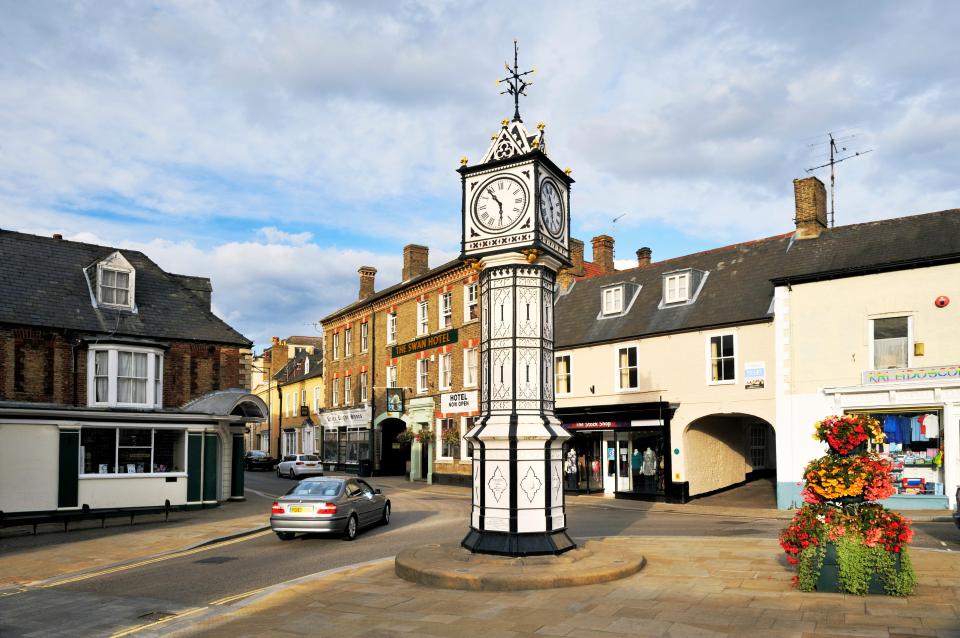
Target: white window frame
<point x="617" y="369"/>
<point x="316" y="400"/>
<point x="117" y="447"/>
<point x="470" y="300"/>
<point x="364" y="336"/>
<point x="347" y="342"/>
<point x="391" y="327"/>
<point x="438" y="430"/>
<point x="154" y="379"/>
<point x="423" y="318"/>
<point x="391" y="377"/>
<point x="335" y="393"/>
<point x="445" y="371"/>
<point x="612" y="301"/>
<point x="464" y="444"/>
<point x="335" y="345"/>
<point x="363" y="387"/>
<point x="556" y="376"/>
<point x="347" y="390"/>
<point x="445" y="311"/>
<point x="470" y="372"/>
<point x="303" y="399"/>
<point x="423" y="376"/>
<point x="736" y="358"/>
<point x="871" y="354"/>
<point x="675" y="297"/>
<point x="131" y="278"/>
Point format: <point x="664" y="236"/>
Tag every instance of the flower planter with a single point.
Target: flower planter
<point x="829" y="579"/>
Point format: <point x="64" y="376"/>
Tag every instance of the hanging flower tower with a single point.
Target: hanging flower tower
<point x="841" y="540"/>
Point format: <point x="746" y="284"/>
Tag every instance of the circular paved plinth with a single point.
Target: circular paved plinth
<point x="452" y="567"/>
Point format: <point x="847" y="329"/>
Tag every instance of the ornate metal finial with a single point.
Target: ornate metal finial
<point x="516" y="85"/>
<point x="463" y="161"/>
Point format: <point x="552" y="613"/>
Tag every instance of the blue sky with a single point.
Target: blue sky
<point x="277" y="146"/>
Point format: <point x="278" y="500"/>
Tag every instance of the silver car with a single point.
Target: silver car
<point x="329" y="505"/>
<point x="296" y="465"/>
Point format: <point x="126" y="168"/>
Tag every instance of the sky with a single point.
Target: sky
<point x="276" y="147"/>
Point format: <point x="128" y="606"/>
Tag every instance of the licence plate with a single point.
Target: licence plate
<point x="301" y="509"/>
<point x="311" y="465"/>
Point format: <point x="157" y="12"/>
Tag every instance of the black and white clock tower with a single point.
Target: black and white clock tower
<point x="516" y="231"/>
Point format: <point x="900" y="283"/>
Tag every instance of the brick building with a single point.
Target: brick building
<point x="118" y="385"/>
<point x="418" y="341"/>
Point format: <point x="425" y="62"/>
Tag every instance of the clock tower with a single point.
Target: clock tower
<point x="516" y="231"/>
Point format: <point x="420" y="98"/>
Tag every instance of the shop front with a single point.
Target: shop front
<point x="347" y="440"/>
<point x="919" y="410"/>
<point x="620" y="450"/>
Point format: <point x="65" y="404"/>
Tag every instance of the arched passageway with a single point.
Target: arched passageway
<point x="725" y="451"/>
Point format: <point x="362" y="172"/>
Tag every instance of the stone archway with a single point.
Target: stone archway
<point x="725" y="451"/>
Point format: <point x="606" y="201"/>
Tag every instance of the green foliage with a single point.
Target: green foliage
<point x="857" y="564"/>
<point x="810" y="564"/>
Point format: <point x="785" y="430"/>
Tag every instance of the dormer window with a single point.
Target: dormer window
<point x="115" y="279"/>
<point x="676" y="287"/>
<point x="613" y="300"/>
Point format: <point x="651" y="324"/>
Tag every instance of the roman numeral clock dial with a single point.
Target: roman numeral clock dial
<point x="500" y="203"/>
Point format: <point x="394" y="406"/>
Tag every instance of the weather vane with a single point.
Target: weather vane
<point x="516" y="85"/>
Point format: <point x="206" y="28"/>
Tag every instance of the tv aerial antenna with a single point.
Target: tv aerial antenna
<point x="615" y="219"/>
<point x="836" y="149"/>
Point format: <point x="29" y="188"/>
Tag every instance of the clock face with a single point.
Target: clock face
<point x="551" y="208"/>
<point x="500" y="203"/>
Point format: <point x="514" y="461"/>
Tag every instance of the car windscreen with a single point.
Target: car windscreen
<point x="316" y="488"/>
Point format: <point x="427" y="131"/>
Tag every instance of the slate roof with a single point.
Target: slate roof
<point x="739" y="287"/>
<point x="42" y="284"/>
<point x="293" y="370"/>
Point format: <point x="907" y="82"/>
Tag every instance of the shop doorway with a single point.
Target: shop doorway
<point x="584" y="462"/>
<point x="394" y="455"/>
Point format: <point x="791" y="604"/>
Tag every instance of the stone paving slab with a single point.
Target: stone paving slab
<point x="678" y="593"/>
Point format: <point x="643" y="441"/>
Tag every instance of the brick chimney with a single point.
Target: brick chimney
<point x="811" y="203"/>
<point x="643" y="257"/>
<point x="278" y="354"/>
<point x="603" y="253"/>
<point x="367" y="275"/>
<point x="415" y="261"/>
<point x="568" y="275"/>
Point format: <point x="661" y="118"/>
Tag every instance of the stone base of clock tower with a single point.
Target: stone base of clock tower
<point x="503" y="544"/>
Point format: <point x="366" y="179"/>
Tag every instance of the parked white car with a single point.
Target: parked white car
<point x="297" y="465"/>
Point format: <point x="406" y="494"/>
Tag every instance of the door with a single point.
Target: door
<point x="211" y="466"/>
<point x="194" y="467"/>
<point x="393" y="454"/>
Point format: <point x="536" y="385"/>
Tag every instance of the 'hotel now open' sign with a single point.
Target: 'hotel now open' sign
<point x="425" y="343"/>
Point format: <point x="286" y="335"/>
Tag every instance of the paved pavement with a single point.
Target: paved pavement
<point x="689" y="587"/>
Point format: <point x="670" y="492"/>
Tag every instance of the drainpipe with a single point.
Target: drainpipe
<point x="371" y="386"/>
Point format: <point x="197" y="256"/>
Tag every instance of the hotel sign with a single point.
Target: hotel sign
<point x="907" y="375"/>
<point x="425" y="343"/>
<point x="456" y="402"/>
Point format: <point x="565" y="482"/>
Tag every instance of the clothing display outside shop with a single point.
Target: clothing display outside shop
<point x="914" y="445"/>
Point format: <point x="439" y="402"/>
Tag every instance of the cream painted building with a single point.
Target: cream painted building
<point x="875" y="333"/>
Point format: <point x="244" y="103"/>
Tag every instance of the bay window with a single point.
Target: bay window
<point x="125" y="376"/>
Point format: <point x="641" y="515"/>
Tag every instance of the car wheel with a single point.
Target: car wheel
<point x="278" y="473"/>
<point x="385" y="519"/>
<point x="285" y="536"/>
<point x="292" y="475"/>
<point x="350" y="532"/>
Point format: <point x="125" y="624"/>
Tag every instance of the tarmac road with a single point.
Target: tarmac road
<point x="225" y="573"/>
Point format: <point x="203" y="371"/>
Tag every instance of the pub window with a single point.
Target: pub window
<point x="470" y="302"/>
<point x="470" y="367"/>
<point x="363" y="387"/>
<point x="423" y="325"/>
<point x="392" y="327"/>
<point x="336" y="345"/>
<point x="723" y="367"/>
<point x="446" y="310"/>
<point x="627" y="378"/>
<point x="348" y="342"/>
<point x="335" y="394"/>
<point x="423" y="375"/>
<point x="445" y="371"/>
<point x="446" y="451"/>
<point x="364" y="336"/>
<point x="347" y="391"/>
<point x="391" y="376"/>
<point x="891" y="338"/>
<point x="562" y="374"/>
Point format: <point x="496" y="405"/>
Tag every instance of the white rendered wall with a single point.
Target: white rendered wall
<point x="29" y="457"/>
<point x="101" y="493"/>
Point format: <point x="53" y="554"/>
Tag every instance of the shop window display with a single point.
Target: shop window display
<point x="914" y="446"/>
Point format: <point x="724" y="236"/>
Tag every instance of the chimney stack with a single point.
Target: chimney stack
<point x="810" y="196"/>
<point x="603" y="253"/>
<point x="58" y="236"/>
<point x="367" y="275"/>
<point x="643" y="257"/>
<point x="415" y="261"/>
<point x="568" y="275"/>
